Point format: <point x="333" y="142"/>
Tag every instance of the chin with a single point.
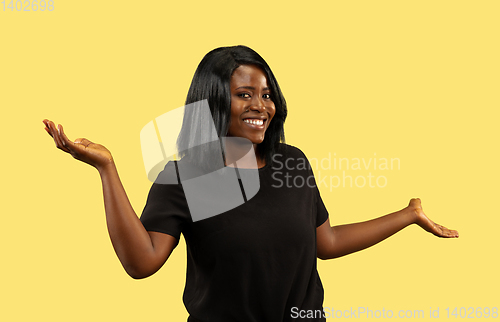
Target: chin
<point x="257" y="141"/>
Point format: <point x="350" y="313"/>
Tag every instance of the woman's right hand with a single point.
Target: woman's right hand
<point x="81" y="149"/>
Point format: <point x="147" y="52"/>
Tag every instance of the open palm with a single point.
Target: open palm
<point x="423" y="221"/>
<point x="81" y="149"/>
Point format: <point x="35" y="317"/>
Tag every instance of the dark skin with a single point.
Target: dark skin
<point x="251" y="106"/>
<point x="142" y="253"/>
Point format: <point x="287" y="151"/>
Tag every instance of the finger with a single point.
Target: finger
<point x="54" y="134"/>
<point x="64" y="139"/>
<point x="66" y="143"/>
<point x="52" y="131"/>
<point x="48" y="131"/>
<point x="445" y="232"/>
<point x="57" y="139"/>
<point x="45" y="122"/>
<point x="450" y="232"/>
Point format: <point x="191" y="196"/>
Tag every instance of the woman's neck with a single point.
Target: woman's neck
<point x="238" y="155"/>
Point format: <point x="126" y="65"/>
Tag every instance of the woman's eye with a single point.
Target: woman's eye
<point x="267" y="96"/>
<point x="244" y="95"/>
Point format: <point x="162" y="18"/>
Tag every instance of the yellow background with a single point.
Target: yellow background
<point x="414" y="80"/>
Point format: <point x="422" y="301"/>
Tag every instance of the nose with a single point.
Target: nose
<point x="258" y="105"/>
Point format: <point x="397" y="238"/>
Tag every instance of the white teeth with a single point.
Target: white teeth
<point x="255" y="122"/>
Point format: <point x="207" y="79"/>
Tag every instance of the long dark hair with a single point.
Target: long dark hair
<point x="211" y="82"/>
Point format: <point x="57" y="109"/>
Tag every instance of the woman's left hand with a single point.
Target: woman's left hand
<point x="423" y="221"/>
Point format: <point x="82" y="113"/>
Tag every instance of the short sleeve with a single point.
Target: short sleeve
<point x="321" y="212"/>
<point x="166" y="209"/>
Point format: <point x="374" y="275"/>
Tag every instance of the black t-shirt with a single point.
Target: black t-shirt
<point x="256" y="262"/>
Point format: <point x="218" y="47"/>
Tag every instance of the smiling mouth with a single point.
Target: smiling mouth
<point x="254" y="122"/>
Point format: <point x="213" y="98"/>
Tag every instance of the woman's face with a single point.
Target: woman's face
<point x="251" y="106"/>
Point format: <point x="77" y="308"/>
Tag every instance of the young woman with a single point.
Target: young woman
<point x="257" y="261"/>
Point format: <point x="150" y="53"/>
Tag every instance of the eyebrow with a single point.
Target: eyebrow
<point x="252" y="88"/>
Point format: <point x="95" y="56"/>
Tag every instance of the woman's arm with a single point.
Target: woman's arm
<point x="141" y="253"/>
<point x="341" y="240"/>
